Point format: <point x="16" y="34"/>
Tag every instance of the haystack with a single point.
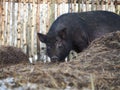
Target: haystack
<point x="102" y="60"/>
<point x="12" y="55"/>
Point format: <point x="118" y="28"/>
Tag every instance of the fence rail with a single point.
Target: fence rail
<point x="20" y="20"/>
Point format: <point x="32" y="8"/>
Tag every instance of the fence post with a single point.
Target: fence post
<point x="33" y="29"/>
<point x="48" y="16"/>
<point x="3" y="22"/>
<point x="92" y="5"/>
<point x="58" y="8"/>
<point x="78" y="5"/>
<point x="38" y="28"/>
<point x="102" y="4"/>
<point x="87" y="5"/>
<point x="69" y="6"/>
<point x="18" y="26"/>
<point x="8" y="23"/>
<point x="24" y="26"/>
<point x="116" y="6"/>
<point x="97" y="5"/>
<point x="29" y="30"/>
<point x="74" y="5"/>
<point x="13" y="23"/>
<point x="52" y="11"/>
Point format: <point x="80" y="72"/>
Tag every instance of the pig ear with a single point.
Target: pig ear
<point x="62" y="33"/>
<point x="42" y="37"/>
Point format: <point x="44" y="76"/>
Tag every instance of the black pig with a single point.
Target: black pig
<point x="75" y="31"/>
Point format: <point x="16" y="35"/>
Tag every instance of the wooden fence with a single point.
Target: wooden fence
<point x="20" y="20"/>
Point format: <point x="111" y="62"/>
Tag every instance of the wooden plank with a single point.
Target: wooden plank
<point x="18" y="27"/>
<point x="24" y="25"/>
<point x="33" y="29"/>
<point x="82" y="6"/>
<point x="29" y="29"/>
<point x="75" y="5"/>
<point x="102" y="3"/>
<point x="92" y="5"/>
<point x="3" y="22"/>
<point x="78" y="5"/>
<point x="106" y="5"/>
<point x="58" y="9"/>
<point x="1" y="7"/>
<point x="87" y="6"/>
<point x="116" y="6"/>
<point x="21" y="25"/>
<point x="52" y="11"/>
<point x="69" y="6"/>
<point x="38" y="28"/>
<point x="13" y="23"/>
<point x="109" y="5"/>
<point x="48" y="17"/>
<point x="97" y="5"/>
<point x="8" y="22"/>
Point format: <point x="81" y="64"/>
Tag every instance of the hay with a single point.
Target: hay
<point x="12" y="55"/>
<point x="96" y="68"/>
<point x="102" y="60"/>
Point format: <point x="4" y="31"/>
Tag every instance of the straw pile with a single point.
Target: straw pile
<point x="96" y="68"/>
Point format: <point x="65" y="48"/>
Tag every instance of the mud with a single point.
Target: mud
<point x="96" y="68"/>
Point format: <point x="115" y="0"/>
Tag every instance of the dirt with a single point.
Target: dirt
<point x="12" y="55"/>
<point x="96" y="68"/>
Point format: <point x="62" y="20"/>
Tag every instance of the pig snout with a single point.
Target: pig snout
<point x="54" y="58"/>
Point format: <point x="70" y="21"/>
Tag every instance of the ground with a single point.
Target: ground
<point x="96" y="68"/>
